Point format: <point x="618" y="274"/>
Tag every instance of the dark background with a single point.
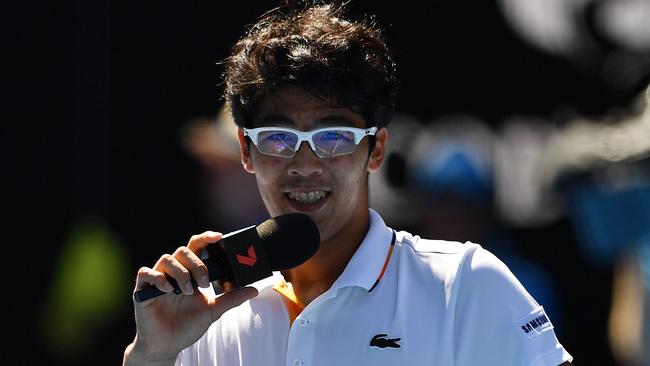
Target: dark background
<point x="98" y="91"/>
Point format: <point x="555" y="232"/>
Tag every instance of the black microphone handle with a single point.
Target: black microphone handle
<point x="217" y="270"/>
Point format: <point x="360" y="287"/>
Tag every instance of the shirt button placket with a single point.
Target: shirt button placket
<point x="300" y="347"/>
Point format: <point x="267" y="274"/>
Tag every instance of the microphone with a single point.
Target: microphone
<point x="251" y="254"/>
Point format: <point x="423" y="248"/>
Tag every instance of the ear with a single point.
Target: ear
<point x="379" y="153"/>
<point x="245" y="152"/>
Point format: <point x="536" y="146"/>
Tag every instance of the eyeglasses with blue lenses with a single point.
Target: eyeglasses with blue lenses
<point x="325" y="142"/>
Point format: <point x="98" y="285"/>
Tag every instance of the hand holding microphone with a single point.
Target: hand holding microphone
<point x="248" y="255"/>
<point x="168" y="324"/>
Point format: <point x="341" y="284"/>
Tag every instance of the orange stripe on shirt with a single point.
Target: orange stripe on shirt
<point x="294" y="305"/>
<point x="383" y="269"/>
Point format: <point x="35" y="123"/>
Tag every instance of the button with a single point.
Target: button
<point x="303" y="322"/>
<point x="297" y="362"/>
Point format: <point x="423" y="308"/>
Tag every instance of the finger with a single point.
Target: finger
<point x="172" y="267"/>
<point x="200" y="241"/>
<point x="148" y="276"/>
<point x="227" y="301"/>
<point x="198" y="269"/>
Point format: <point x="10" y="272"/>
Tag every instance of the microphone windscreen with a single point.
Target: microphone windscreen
<point x="289" y="240"/>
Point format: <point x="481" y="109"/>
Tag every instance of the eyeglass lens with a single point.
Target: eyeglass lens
<point x="328" y="143"/>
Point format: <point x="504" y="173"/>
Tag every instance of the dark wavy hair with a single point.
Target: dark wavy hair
<point x="313" y="47"/>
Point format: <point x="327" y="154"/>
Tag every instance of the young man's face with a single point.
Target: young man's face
<point x="332" y="191"/>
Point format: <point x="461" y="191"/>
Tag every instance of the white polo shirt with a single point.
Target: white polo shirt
<point x="401" y="300"/>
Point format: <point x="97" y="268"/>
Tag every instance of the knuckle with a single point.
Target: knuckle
<point x="178" y="251"/>
<point x="185" y="256"/>
<point x="184" y="274"/>
<point x="184" y="251"/>
<point x="167" y="258"/>
<point x="199" y="272"/>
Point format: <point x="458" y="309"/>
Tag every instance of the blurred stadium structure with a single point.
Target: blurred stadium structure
<point x="603" y="170"/>
<point x="607" y="40"/>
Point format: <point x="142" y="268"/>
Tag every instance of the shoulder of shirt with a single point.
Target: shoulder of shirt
<point x="455" y="262"/>
<point x="429" y="246"/>
<point x="444" y="259"/>
<point x="432" y="263"/>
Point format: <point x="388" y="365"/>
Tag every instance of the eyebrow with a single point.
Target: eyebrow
<point x="274" y="120"/>
<point x="335" y="120"/>
<point x="328" y="120"/>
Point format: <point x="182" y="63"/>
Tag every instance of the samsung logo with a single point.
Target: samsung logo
<point x="536" y="324"/>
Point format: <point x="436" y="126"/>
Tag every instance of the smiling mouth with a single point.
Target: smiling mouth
<point x="307" y="198"/>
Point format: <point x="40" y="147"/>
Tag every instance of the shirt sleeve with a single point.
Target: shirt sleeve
<point x="496" y="321"/>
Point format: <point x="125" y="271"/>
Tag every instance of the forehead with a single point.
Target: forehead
<point x="294" y="107"/>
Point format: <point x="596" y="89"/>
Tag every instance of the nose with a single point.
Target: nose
<point x="305" y="162"/>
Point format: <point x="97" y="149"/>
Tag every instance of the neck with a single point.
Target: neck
<point x="315" y="276"/>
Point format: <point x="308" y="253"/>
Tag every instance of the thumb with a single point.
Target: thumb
<point x="229" y="300"/>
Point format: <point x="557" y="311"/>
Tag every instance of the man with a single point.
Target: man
<point x="370" y="295"/>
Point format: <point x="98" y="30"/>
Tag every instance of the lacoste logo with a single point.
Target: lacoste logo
<point x="382" y="341"/>
<point x="250" y="260"/>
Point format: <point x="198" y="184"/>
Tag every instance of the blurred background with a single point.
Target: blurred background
<point x="521" y="124"/>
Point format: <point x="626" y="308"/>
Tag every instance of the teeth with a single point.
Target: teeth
<point x="307" y="197"/>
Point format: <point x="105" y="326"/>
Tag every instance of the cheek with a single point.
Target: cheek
<point x="350" y="173"/>
<point x="267" y="171"/>
<point x="262" y="162"/>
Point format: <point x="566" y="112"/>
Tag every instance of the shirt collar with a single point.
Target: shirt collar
<point x="365" y="266"/>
